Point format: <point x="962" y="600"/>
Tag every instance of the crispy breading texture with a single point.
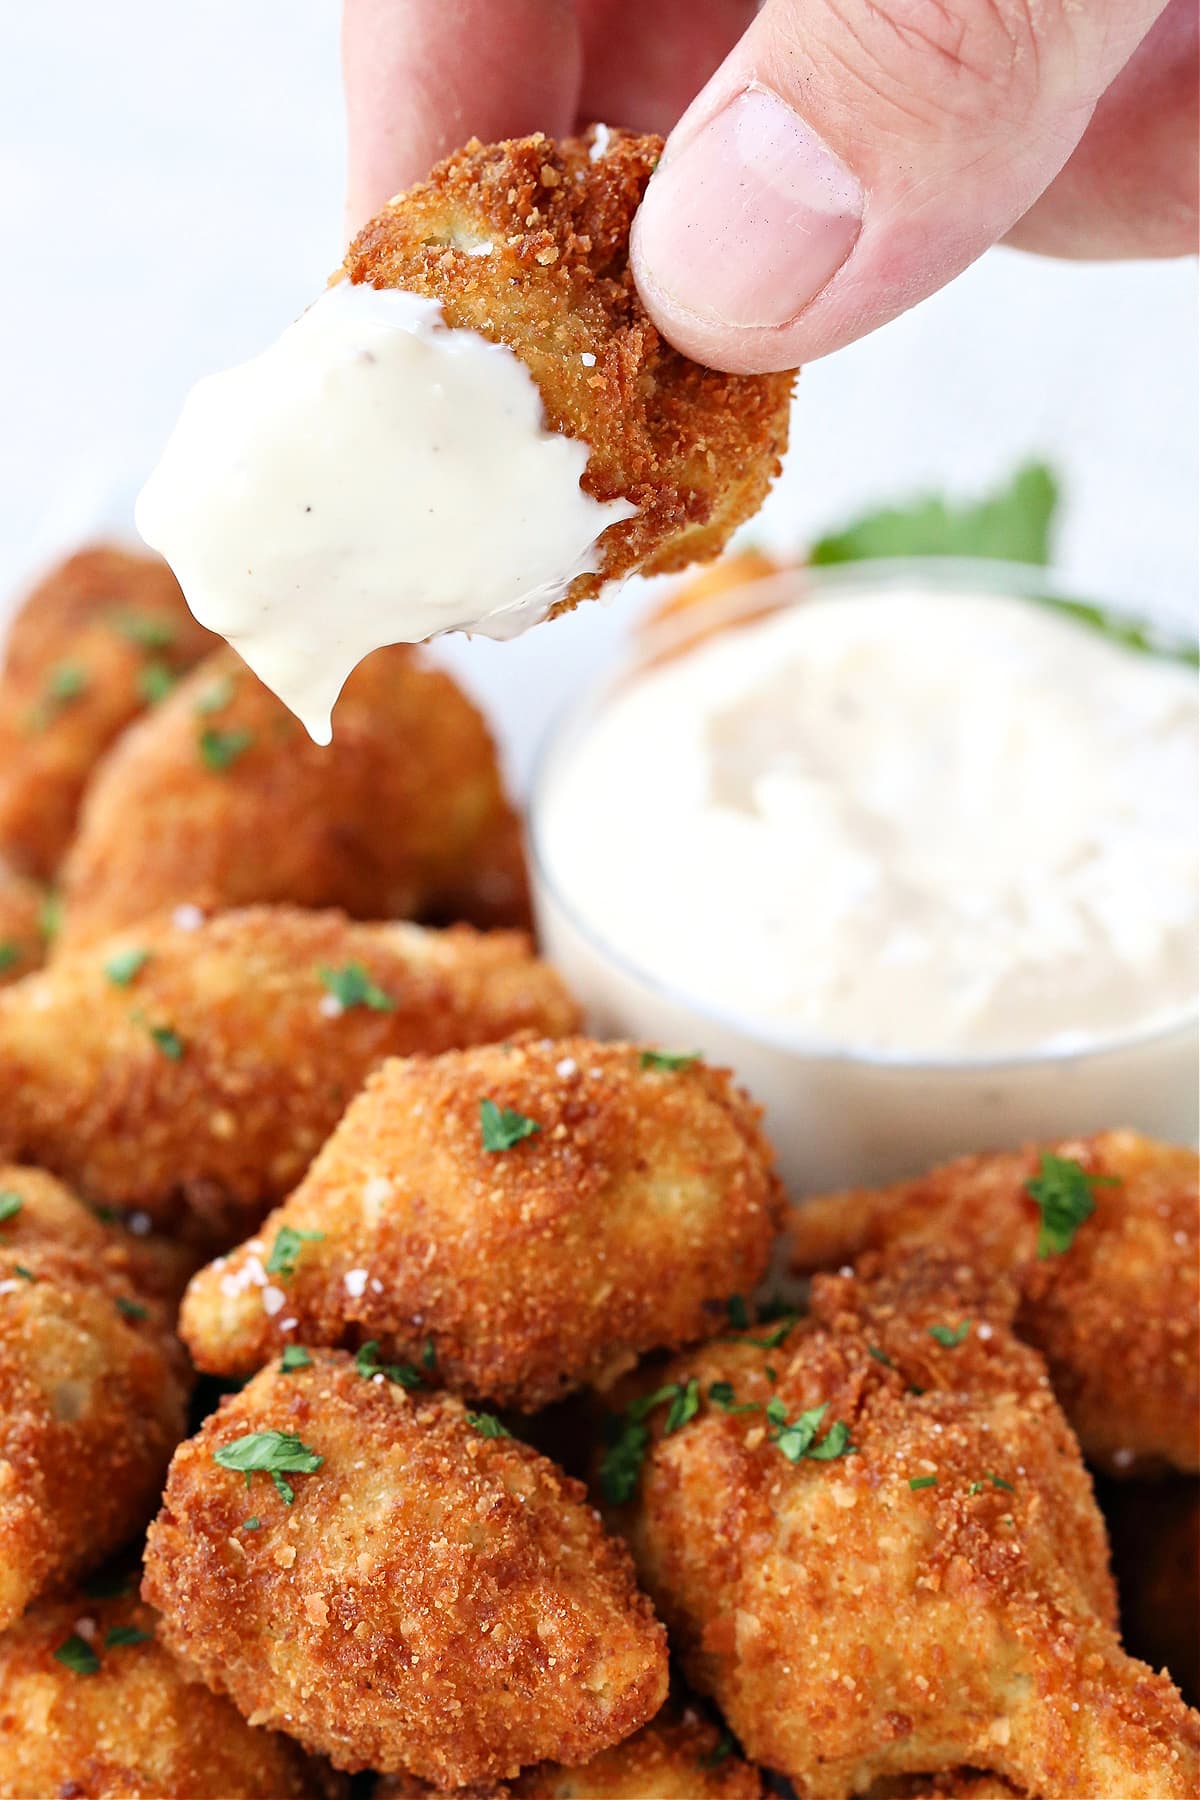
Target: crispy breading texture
<point x="1117" y="1315"/>
<point x="204" y="1077"/>
<point x="619" y="1226"/>
<point x="220" y="798"/>
<point x="680" y="1755"/>
<point x="433" y="1599"/>
<point x="91" y="646"/>
<point x="694" y="450"/>
<point x="136" y="1727"/>
<point x="22" y="942"/>
<point x="851" y="1624"/>
<point x="93" y="1390"/>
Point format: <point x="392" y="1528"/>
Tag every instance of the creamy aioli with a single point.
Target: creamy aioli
<point x="914" y="823"/>
<point x="372" y="478"/>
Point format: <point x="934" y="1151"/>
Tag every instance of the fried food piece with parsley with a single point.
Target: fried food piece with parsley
<point x="95" y="1708"/>
<point x="22" y="943"/>
<point x="527" y="243"/>
<point x="415" y="1591"/>
<point x="93" y="1390"/>
<point x="875" y="1545"/>
<point x="680" y="1755"/>
<point x="192" y="1068"/>
<point x="220" y="798"/>
<point x="100" y="638"/>
<point x="1099" y="1236"/>
<point x="529" y="1217"/>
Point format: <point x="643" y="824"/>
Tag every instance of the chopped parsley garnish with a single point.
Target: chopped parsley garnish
<point x="216" y="696"/>
<point x="10" y="1206"/>
<point x="287" y="1246"/>
<point x="50" y="917"/>
<point x="881" y="1356"/>
<point x="684" y="1406"/>
<point x="722" y="1394"/>
<point x="120" y="1635"/>
<point x="219" y="750"/>
<point x="253" y="1523"/>
<point x="739" y="1315"/>
<point x="366" y="1361"/>
<point x="503" y="1128"/>
<point x="76" y="1654"/>
<point x="144" y="629"/>
<point x="131" y="1309"/>
<point x="783" y="1330"/>
<point x="796" y="1438"/>
<point x="627" y="1441"/>
<point x="976" y="1487"/>
<point x="125" y="965"/>
<point x="66" y="681"/>
<point x="165" y="1036"/>
<point x="295" y="1357"/>
<point x="352" y="986"/>
<point x="9" y="954"/>
<point x="154" y="682"/>
<point x="487" y="1425"/>
<point x="950" y="1336"/>
<point x="669" y="1059"/>
<point x="429" y="1355"/>
<point x="273" y="1453"/>
<point x="1064" y="1192"/>
<point x="921" y="1481"/>
<point x="23" y="1272"/>
<point x="713" y="1758"/>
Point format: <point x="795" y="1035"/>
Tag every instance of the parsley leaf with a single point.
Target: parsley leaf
<point x="219" y="750"/>
<point x="270" y="1453"/>
<point x="950" y="1336"/>
<point x="253" y="1523"/>
<point x="881" y="1356"/>
<point x="739" y="1316"/>
<point x="143" y="629"/>
<point x="1013" y="524"/>
<point x="50" y="917"/>
<point x="713" y="1758"/>
<point x="1064" y="1192"/>
<point x="9" y="954"/>
<point x="66" y="681"/>
<point x="627" y="1441"/>
<point x="997" y="1481"/>
<point x="10" y="1206"/>
<point x="667" y="1059"/>
<point x="76" y="1654"/>
<point x="165" y="1036"/>
<point x="366" y="1361"/>
<point x="722" y="1394"/>
<point x="487" y="1425"/>
<point x="154" y="682"/>
<point x="287" y="1246"/>
<point x="797" y="1438"/>
<point x="131" y="1309"/>
<point x="124" y="965"/>
<point x="24" y="1273"/>
<point x="502" y="1128"/>
<point x="921" y="1481"/>
<point x="295" y="1357"/>
<point x="216" y="696"/>
<point x="783" y="1330"/>
<point x="352" y="986"/>
<point x="684" y="1406"/>
<point x="120" y="1635"/>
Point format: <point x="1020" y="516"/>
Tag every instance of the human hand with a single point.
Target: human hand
<point x="846" y="159"/>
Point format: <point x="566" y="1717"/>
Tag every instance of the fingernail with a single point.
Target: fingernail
<point x="747" y="221"/>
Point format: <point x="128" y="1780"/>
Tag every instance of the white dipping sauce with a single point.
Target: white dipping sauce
<point x="372" y="478"/>
<point x="918" y="824"/>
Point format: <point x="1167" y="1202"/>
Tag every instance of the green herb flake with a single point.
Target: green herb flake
<point x="781" y="1332"/>
<point x="65" y="682"/>
<point x="24" y="1273"/>
<point x="352" y="986"/>
<point x="948" y="1336"/>
<point x="216" y="697"/>
<point x="287" y="1246"/>
<point x="712" y="1759"/>
<point x="50" y="917"/>
<point x="253" y="1523"/>
<point x="722" y="1394"/>
<point x="916" y="1482"/>
<point x="1012" y="524"/>
<point x="796" y="1438"/>
<point x="165" y="1036"/>
<point x="487" y="1425"/>
<point x="125" y="965"/>
<point x="998" y="1481"/>
<point x="881" y="1356"/>
<point x="503" y="1129"/>
<point x="295" y="1357"/>
<point x="739" y="1314"/>
<point x="684" y="1407"/>
<point x="121" y="1635"/>
<point x="155" y="681"/>
<point x="627" y="1440"/>
<point x="10" y="1206"/>
<point x="76" y="1654"/>
<point x="9" y="955"/>
<point x="429" y="1355"/>
<point x="366" y="1361"/>
<point x="670" y="1060"/>
<point x="143" y="629"/>
<point x="219" y="750"/>
<point x="1065" y="1195"/>
<point x="273" y="1453"/>
<point x="131" y="1309"/>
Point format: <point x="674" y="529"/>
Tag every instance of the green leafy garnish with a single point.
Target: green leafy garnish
<point x="998" y="1482"/>
<point x="10" y="1206"/>
<point x="1064" y="1192"/>
<point x="165" y="1036"/>
<point x="66" y="681"/>
<point x="76" y="1654"/>
<point x="120" y="1635"/>
<point x="722" y="1394"/>
<point x="273" y="1453"/>
<point x="24" y="1273"/>
<point x="295" y="1357"/>
<point x="739" y="1315"/>
<point x="352" y="986"/>
<point x="881" y="1356"/>
<point x="684" y="1406"/>
<point x="487" y="1425"/>
<point x="143" y="629"/>
<point x="216" y="696"/>
<point x="9" y="953"/>
<point x="429" y="1355"/>
<point x="253" y="1523"/>
<point x="922" y="1481"/>
<point x="1012" y="524"/>
<point x="131" y="1309"/>
<point x="667" y="1059"/>
<point x="219" y="750"/>
<point x="712" y="1759"/>
<point x="627" y="1441"/>
<point x="366" y="1361"/>
<point x="154" y="682"/>
<point x="287" y="1246"/>
<point x="502" y="1128"/>
<point x="122" y="967"/>
<point x="796" y="1438"/>
<point x="782" y="1331"/>
<point x="50" y="917"/>
<point x="950" y="1336"/>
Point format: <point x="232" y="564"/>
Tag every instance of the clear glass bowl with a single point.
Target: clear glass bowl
<point x="843" y="1117"/>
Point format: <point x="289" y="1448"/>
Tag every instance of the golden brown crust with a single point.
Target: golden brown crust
<point x="73" y="676"/>
<point x="22" y="944"/>
<point x="222" y="1116"/>
<point x="1117" y="1316"/>
<point x="433" y="1599"/>
<point x="620" y="1226"/>
<point x="694" y="450"/>
<point x="851" y="1626"/>
<point x="680" y="1755"/>
<point x="137" y="1728"/>
<point x="93" y="1390"/>
<point x="404" y="814"/>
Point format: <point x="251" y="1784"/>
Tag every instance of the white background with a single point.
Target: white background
<point x="170" y="195"/>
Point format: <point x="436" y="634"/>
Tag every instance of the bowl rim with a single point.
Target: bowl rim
<point x="748" y="603"/>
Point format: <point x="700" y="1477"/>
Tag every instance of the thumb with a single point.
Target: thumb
<point x="850" y="156"/>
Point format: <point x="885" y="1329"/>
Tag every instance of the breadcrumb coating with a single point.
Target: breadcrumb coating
<point x="434" y="1599"/>
<point x="934" y="1593"/>
<point x="90" y="647"/>
<point x="135" y="1727"/>
<point x="644" y="1196"/>
<point x="1116" y="1315"/>
<point x="194" y="1067"/>
<point x="527" y="243"/>
<point x="220" y="798"/>
<point x="93" y="1390"/>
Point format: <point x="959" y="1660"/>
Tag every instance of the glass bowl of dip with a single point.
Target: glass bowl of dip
<point x="910" y="846"/>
